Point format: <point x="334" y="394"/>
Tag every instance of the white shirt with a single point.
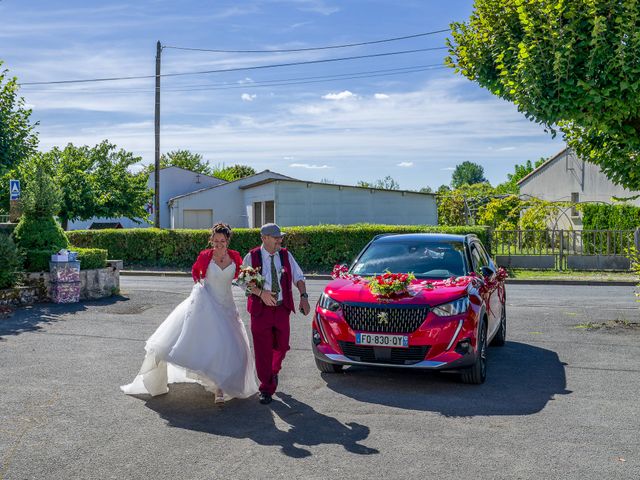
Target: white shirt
<point x="296" y="271"/>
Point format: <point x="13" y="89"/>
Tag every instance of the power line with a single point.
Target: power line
<point x="346" y="45"/>
<point x="276" y="82"/>
<point x="238" y="69"/>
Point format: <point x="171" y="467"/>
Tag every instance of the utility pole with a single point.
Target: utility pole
<point x="156" y="203"/>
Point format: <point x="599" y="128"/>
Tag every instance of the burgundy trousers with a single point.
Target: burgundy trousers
<point x="270" y="331"/>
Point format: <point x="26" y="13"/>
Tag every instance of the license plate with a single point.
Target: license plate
<point x="382" y="340"/>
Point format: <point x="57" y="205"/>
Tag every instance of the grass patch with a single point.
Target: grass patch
<point x="572" y="275"/>
<point x="619" y="324"/>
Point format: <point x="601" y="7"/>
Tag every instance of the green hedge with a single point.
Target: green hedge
<point x="11" y="261"/>
<point x="38" y="260"/>
<point x="316" y="248"/>
<point x="91" y="258"/>
<point x="610" y="217"/>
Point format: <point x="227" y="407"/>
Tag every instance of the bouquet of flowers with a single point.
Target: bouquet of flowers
<point x="248" y="277"/>
<point x="389" y="284"/>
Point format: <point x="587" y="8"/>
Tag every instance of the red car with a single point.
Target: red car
<point x="444" y="319"/>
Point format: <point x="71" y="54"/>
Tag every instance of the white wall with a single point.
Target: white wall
<point x="227" y="202"/>
<point x="567" y="174"/>
<point x="173" y="181"/>
<point x="300" y="203"/>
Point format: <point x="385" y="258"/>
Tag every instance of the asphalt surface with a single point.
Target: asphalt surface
<point x="559" y="402"/>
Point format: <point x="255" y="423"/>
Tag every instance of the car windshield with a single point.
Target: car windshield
<point x="425" y="259"/>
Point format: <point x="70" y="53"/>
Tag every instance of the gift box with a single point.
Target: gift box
<point x="59" y="257"/>
<point x="64" y="271"/>
<point x="68" y="292"/>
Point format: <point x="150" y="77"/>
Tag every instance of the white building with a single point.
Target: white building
<point x="272" y="197"/>
<point x="567" y="178"/>
<point x="192" y="200"/>
<point x="173" y="181"/>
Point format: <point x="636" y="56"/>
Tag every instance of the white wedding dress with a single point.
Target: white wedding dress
<point x="203" y="340"/>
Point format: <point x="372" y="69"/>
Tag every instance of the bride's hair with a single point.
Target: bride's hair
<point x="222" y="228"/>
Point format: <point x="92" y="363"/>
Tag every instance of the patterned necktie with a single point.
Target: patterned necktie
<point x="275" y="284"/>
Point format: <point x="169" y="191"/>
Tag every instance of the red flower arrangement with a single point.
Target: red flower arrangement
<point x="389" y="284"/>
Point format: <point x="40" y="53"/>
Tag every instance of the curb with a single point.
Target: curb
<point x="595" y="283"/>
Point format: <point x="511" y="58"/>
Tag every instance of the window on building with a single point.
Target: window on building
<point x="575" y="198"/>
<point x="269" y="212"/>
<point x="257" y="214"/>
<point x="263" y="212"/>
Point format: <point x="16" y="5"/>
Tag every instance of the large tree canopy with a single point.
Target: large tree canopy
<point x="467" y="173"/>
<point x="572" y="65"/>
<point x="96" y="182"/>
<point x="18" y="139"/>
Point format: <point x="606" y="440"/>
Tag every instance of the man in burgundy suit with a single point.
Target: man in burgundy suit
<point x="271" y="305"/>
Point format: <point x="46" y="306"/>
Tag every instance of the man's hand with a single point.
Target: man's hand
<point x="268" y="298"/>
<point x="305" y="308"/>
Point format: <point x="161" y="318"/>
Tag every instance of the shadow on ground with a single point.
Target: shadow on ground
<point x="190" y="407"/>
<point x="521" y="380"/>
<point x="32" y="318"/>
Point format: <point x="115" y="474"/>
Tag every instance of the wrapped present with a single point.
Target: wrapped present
<point x="64" y="271"/>
<point x="68" y="292"/>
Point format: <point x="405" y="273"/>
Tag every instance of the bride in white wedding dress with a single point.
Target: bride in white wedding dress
<point x="203" y="340"/>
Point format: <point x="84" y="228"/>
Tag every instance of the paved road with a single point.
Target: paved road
<point x="559" y="402"/>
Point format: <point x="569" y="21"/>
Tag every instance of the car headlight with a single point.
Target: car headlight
<point x="328" y="303"/>
<point x="452" y="308"/>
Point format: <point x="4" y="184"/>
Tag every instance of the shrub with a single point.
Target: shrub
<point x="37" y="260"/>
<point x="11" y="261"/>
<point x="315" y="247"/>
<point x="91" y="257"/>
<point x="610" y="217"/>
<point x="39" y="233"/>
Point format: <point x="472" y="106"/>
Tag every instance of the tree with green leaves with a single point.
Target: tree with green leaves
<point x="460" y="206"/>
<point x="234" y="172"/>
<point x="520" y="171"/>
<point x="97" y="182"/>
<point x="183" y="159"/>
<point x="386" y="183"/>
<point x="467" y="173"/>
<point x="18" y="138"/>
<point x="37" y="234"/>
<point x="567" y="65"/>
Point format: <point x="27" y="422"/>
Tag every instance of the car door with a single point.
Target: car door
<point x="481" y="259"/>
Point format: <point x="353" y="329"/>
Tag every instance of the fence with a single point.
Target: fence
<point x="4" y="218"/>
<point x="564" y="249"/>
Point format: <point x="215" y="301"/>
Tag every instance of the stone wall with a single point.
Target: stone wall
<point x="95" y="283"/>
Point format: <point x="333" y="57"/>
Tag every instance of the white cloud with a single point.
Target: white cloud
<point x="506" y="149"/>
<point x="448" y="169"/>
<point x="380" y="96"/>
<point x="311" y="167"/>
<point x="339" y="96"/>
<point x="405" y="164"/>
<point x="246" y="97"/>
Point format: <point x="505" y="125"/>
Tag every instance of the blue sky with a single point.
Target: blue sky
<point x="403" y="116"/>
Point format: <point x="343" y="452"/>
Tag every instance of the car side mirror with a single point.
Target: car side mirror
<point x="487" y="271"/>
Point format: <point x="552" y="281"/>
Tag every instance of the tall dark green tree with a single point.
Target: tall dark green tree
<point x="184" y="159"/>
<point x="567" y="65"/>
<point x="18" y="138"/>
<point x="467" y="173"/>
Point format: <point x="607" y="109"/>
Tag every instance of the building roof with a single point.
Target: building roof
<point x="539" y="169"/>
<point x="229" y="183"/>
<point x="190" y="171"/>
<point x="294" y="180"/>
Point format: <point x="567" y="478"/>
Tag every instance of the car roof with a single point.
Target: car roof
<point x="436" y="237"/>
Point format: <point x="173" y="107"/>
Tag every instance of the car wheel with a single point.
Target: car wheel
<point x="326" y="367"/>
<point x="501" y="335"/>
<point x="477" y="373"/>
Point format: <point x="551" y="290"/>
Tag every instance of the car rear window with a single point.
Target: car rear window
<point x="423" y="258"/>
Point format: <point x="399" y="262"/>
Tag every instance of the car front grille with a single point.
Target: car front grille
<point x="393" y="356"/>
<point x="385" y="319"/>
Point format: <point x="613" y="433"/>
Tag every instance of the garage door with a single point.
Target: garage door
<point x="198" y="219"/>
